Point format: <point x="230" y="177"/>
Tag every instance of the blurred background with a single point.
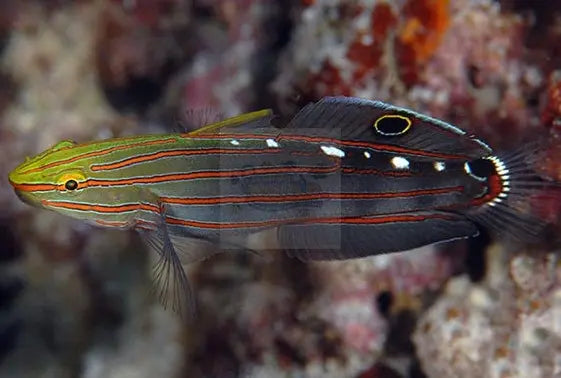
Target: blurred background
<point x="74" y="299"/>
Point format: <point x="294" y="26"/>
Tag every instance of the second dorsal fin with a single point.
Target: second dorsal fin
<point x="351" y="118"/>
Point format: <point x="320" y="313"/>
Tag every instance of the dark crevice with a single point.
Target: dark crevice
<point x="384" y="302"/>
<point x="277" y="31"/>
<point x="11" y="287"/>
<point x="475" y="257"/>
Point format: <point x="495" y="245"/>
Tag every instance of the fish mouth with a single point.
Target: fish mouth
<point x="21" y="196"/>
<point x="24" y="197"/>
<point x="28" y="198"/>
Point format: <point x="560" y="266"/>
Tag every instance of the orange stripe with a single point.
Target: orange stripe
<point x="176" y="177"/>
<point x="306" y="197"/>
<point x="35" y="187"/>
<point x="101" y="208"/>
<point x="100" y="153"/>
<point x="272" y="223"/>
<point x="207" y="174"/>
<point x="183" y="152"/>
<point x="198" y="175"/>
<point x="374" y="146"/>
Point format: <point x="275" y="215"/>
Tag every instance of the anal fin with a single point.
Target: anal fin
<point x="365" y="236"/>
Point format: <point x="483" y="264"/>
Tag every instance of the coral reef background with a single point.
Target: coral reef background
<point x="74" y="299"/>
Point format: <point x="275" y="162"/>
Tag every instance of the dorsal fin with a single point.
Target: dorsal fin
<point x="260" y="118"/>
<point x="351" y="118"/>
<point x="62" y="145"/>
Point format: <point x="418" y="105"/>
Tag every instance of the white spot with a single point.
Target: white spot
<point x="400" y="162"/>
<point x="333" y="151"/>
<point x="467" y="168"/>
<point x="235" y="142"/>
<point x="367" y="154"/>
<point x="439" y="166"/>
<point x="272" y="143"/>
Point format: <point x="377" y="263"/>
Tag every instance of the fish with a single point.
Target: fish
<point x="344" y="178"/>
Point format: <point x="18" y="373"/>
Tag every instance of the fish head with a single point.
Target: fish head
<point x="57" y="179"/>
<point x="38" y="177"/>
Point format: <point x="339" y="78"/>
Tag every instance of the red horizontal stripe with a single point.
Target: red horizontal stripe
<point x="351" y="143"/>
<point x="307" y="197"/>
<point x="101" y="208"/>
<point x="205" y="174"/>
<point x="35" y="187"/>
<point x="334" y="220"/>
<point x="100" y="153"/>
<point x="177" y="177"/>
<point x="181" y="152"/>
<point x="208" y="174"/>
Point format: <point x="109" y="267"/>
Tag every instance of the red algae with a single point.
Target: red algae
<point x="365" y="55"/>
<point x="329" y="81"/>
<point x="551" y="115"/>
<point x="374" y="42"/>
<point x="420" y="35"/>
<point x="426" y="23"/>
<point x="367" y="49"/>
<point x="383" y="20"/>
<point x="137" y="51"/>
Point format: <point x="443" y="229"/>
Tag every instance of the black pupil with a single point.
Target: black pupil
<point x="392" y="125"/>
<point x="483" y="168"/>
<point x="71" y="185"/>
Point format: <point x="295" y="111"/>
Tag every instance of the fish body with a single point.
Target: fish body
<point x="345" y="178"/>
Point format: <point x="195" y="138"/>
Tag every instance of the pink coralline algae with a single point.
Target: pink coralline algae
<point x="138" y="46"/>
<point x="460" y="61"/>
<point x="223" y="73"/>
<point x="318" y="319"/>
<point x="358" y="44"/>
<point x="506" y="326"/>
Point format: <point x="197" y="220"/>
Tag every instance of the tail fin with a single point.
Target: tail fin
<point x="524" y="208"/>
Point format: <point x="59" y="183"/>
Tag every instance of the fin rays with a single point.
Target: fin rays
<point x="514" y="214"/>
<point x="171" y="285"/>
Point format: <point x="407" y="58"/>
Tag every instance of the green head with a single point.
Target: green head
<point x="62" y="179"/>
<point x="51" y="173"/>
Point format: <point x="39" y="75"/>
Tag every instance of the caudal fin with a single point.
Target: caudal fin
<point x="522" y="209"/>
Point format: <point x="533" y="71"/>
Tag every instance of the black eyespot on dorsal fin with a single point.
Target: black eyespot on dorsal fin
<point x="392" y="124"/>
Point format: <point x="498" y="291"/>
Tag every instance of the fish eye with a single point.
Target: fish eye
<point x="392" y="124"/>
<point x="70" y="181"/>
<point x="71" y="185"/>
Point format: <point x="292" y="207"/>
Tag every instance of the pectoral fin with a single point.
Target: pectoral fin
<point x="170" y="283"/>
